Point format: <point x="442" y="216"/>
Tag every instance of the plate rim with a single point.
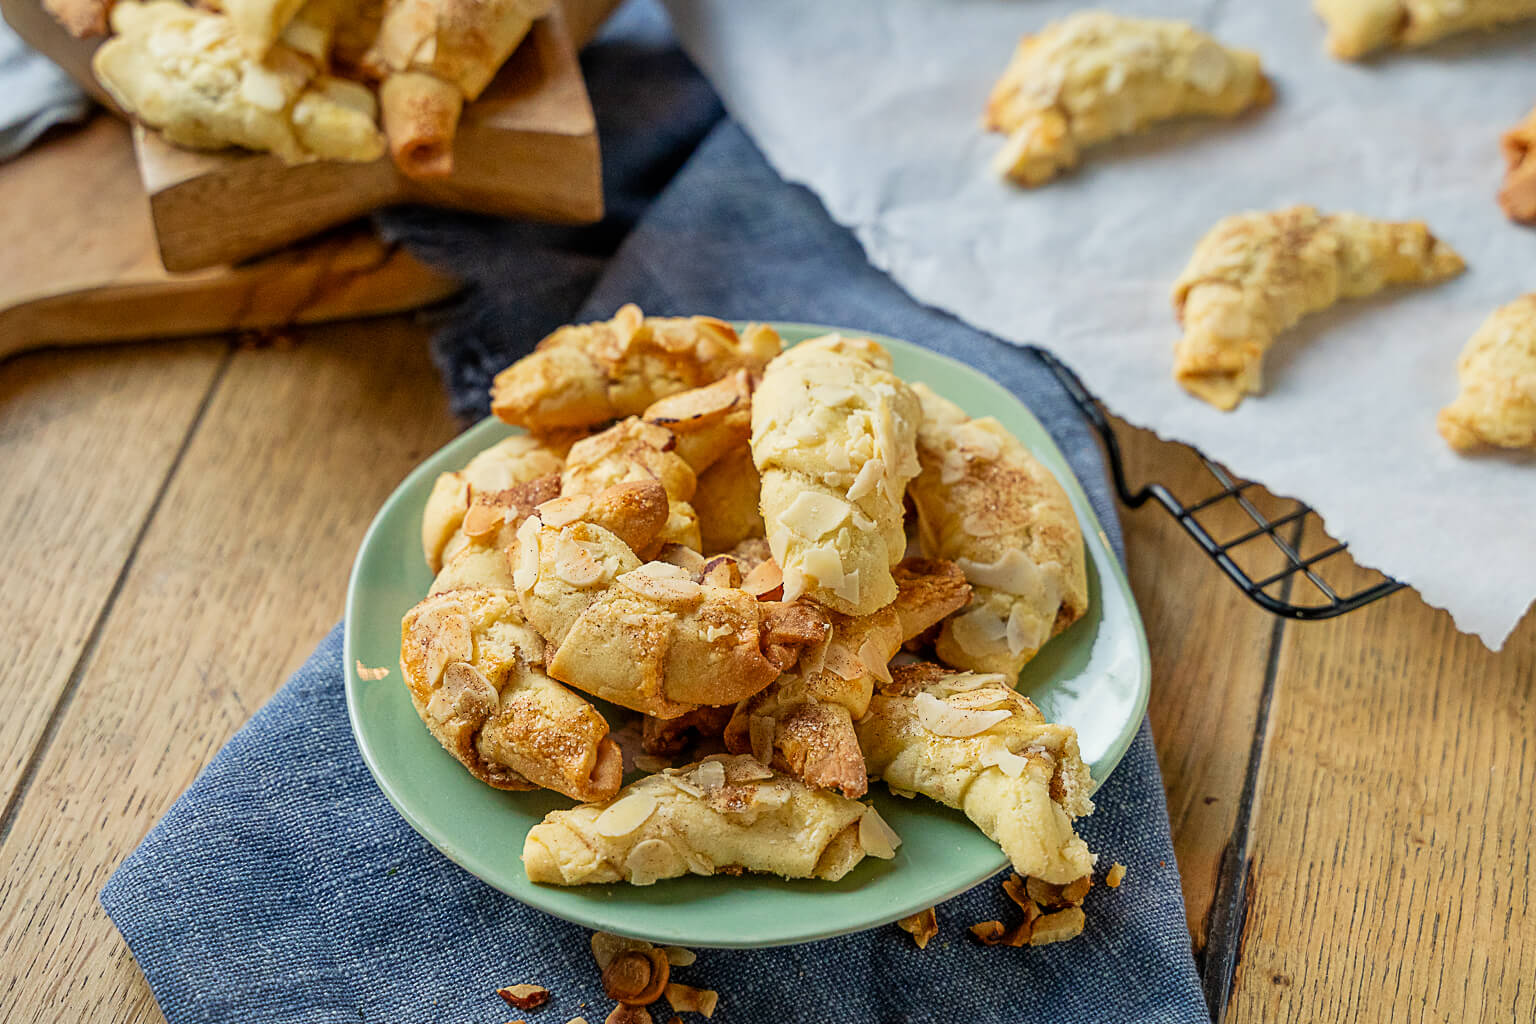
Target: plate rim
<point x="591" y="919"/>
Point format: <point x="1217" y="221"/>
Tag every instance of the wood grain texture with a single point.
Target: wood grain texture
<point x="239" y="574"/>
<point x="1394" y="825"/>
<point x="94" y="273"/>
<point x="1207" y="679"/>
<point x="84" y="446"/>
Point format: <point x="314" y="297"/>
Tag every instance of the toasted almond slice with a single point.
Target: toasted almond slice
<point x="721" y="571"/>
<point x="922" y="926"/>
<point x="872" y="657"/>
<point x="448" y="640"/>
<point x="687" y="999"/>
<point x="1013" y="572"/>
<point x="564" y="510"/>
<point x="760" y="731"/>
<point x="525" y="568"/>
<point x="649" y="582"/>
<point x="606" y="946"/>
<point x="746" y="769"/>
<point x="677" y="956"/>
<point x="843" y="663"/>
<point x="708" y="776"/>
<point x="868" y="477"/>
<point x="626" y="815"/>
<point x="877" y="838"/>
<point x="979" y="631"/>
<point x="961" y="682"/>
<point x="651" y="860"/>
<point x="1058" y="927"/>
<point x="482" y="520"/>
<point x="980" y="524"/>
<point x="989" y="932"/>
<point x="765" y="582"/>
<point x="627" y="1014"/>
<point x="1025" y="632"/>
<point x="524" y="997"/>
<point x="364" y="672"/>
<point x="574" y="563"/>
<point x="999" y="756"/>
<point x="942" y="720"/>
<point x="814" y="515"/>
<point x="684" y="558"/>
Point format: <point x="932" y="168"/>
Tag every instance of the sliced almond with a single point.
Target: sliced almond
<point x="746" y="769"/>
<point x="625" y="815"/>
<point x="821" y="564"/>
<point x="524" y="997"/>
<point x="982" y="524"/>
<point x="709" y="775"/>
<point x="1026" y="632"/>
<point x="627" y="1014"/>
<point x="942" y="720"/>
<point x="877" y="838"/>
<point x="687" y="999"/>
<point x="677" y="956"/>
<point x="684" y="558"/>
<point x="980" y="699"/>
<point x="370" y="674"/>
<point x="652" y="860"/>
<point x="989" y="932"/>
<point x="765" y="582"/>
<point x="1068" y="895"/>
<point x="843" y="663"/>
<point x="977" y="441"/>
<point x="445" y="631"/>
<point x="649" y="582"/>
<point x="574" y="563"/>
<point x="998" y="756"/>
<point x="867" y="479"/>
<point x="979" y="631"/>
<point x="684" y="783"/>
<point x="1058" y="927"/>
<point x="960" y="682"/>
<point x="872" y="657"/>
<point x="483" y="520"/>
<point x="606" y="946"/>
<point x="813" y="515"/>
<point x="525" y="568"/>
<point x="564" y="510"/>
<point x="848" y="589"/>
<point x="922" y="926"/>
<point x="721" y="571"/>
<point x="637" y="977"/>
<point x="761" y="730"/>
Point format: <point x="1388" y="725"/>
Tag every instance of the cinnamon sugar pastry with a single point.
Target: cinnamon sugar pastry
<point x="985" y="502"/>
<point x="1095" y="76"/>
<point x="587" y="374"/>
<point x="970" y="742"/>
<point x="1255" y="274"/>
<point x="186" y="72"/>
<point x="1517" y="196"/>
<point x="651" y="636"/>
<point x="803" y="723"/>
<point x="1497" y="403"/>
<point x="1359" y="27"/>
<point x="724" y="814"/>
<point x="635" y="451"/>
<point x="834" y="439"/>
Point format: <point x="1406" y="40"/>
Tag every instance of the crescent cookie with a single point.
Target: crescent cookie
<point x="970" y="742"/>
<point x="472" y="666"/>
<point x="1517" y="196"/>
<point x="586" y="374"/>
<point x="1497" y="369"/>
<point x="725" y="814"/>
<point x="834" y="438"/>
<point x="803" y="723"/>
<point x="186" y="72"/>
<point x="653" y="637"/>
<point x="1255" y="274"/>
<point x="1095" y="76"/>
<point x="507" y="463"/>
<point x="984" y="502"/>
<point x="633" y="451"/>
<point x="1359" y="27"/>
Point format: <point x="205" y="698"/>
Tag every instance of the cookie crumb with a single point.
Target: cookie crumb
<point x="1116" y="876"/>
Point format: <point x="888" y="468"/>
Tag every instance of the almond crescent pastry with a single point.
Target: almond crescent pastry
<point x="986" y="503"/>
<point x="654" y="637"/>
<point x="635" y="451"/>
<point x="834" y="438"/>
<point x="515" y="460"/>
<point x="708" y="422"/>
<point x="1255" y="274"/>
<point x="1497" y="403"/>
<point x="970" y="742"/>
<point x="1517" y="197"/>
<point x="1095" y="76"/>
<point x="1359" y="27"/>
<point x="259" y="23"/>
<point x="473" y="668"/>
<point x="583" y="375"/>
<point x="726" y="814"/>
<point x="185" y="72"/>
<point x="727" y="501"/>
<point x="803" y="723"/>
<point x="433" y="56"/>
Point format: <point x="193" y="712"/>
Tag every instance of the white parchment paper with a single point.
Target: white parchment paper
<point x="875" y="104"/>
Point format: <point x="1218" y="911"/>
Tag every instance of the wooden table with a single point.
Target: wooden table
<point x="1351" y="799"/>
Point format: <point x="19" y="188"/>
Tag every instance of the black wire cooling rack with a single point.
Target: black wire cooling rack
<point x="1285" y="530"/>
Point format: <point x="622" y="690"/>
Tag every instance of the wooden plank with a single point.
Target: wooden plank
<point x="85" y="444"/>
<point x="1392" y="877"/>
<point x="240" y="573"/>
<point x="1210" y="647"/>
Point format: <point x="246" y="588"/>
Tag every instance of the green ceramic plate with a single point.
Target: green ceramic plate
<point x="1093" y="677"/>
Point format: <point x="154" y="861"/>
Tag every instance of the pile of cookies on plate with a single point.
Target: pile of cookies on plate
<point x="795" y="566"/>
<point x="1096" y="76"/>
<point x="304" y="79"/>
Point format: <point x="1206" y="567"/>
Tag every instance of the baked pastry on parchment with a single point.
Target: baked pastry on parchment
<point x="1497" y="369"/>
<point x="1517" y="196"/>
<point x="726" y="814"/>
<point x="584" y="375"/>
<point x="1095" y="76"/>
<point x="186" y="72"/>
<point x="971" y="742"/>
<point x="1359" y="27"/>
<point x="1255" y="274"/>
<point x="834" y="440"/>
<point x="986" y="503"/>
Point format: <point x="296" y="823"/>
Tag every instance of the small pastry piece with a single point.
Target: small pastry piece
<point x="1497" y="403"/>
<point x="834" y="437"/>
<point x="726" y="502"/>
<point x="629" y="451"/>
<point x="708" y="422"/>
<point x="653" y="637"/>
<point x="803" y="723"/>
<point x="184" y="71"/>
<point x="724" y="814"/>
<point x="586" y="374"/>
<point x="477" y="554"/>
<point x="972" y="743"/>
<point x="986" y="503"/>
<point x="473" y="668"/>
<point x="1094" y="76"/>
<point x="433" y="56"/>
<point x="515" y="460"/>
<point x="1359" y="27"/>
<point x="1517" y="197"/>
<point x="1255" y="274"/>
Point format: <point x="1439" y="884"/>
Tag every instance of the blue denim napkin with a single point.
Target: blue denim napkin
<point x="283" y="887"/>
<point x="35" y="95"/>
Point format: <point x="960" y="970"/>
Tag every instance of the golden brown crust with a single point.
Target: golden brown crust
<point x="507" y="463"/>
<point x="1255" y="274"/>
<point x="586" y="374"/>
<point x="1094" y="76"/>
<point x="630" y="451"/>
<point x="1359" y="27"/>
<point x="1497" y="370"/>
<point x="1517" y="196"/>
<point x="726" y="502"/>
<point x="421" y="118"/>
<point x="708" y="422"/>
<point x="989" y="505"/>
